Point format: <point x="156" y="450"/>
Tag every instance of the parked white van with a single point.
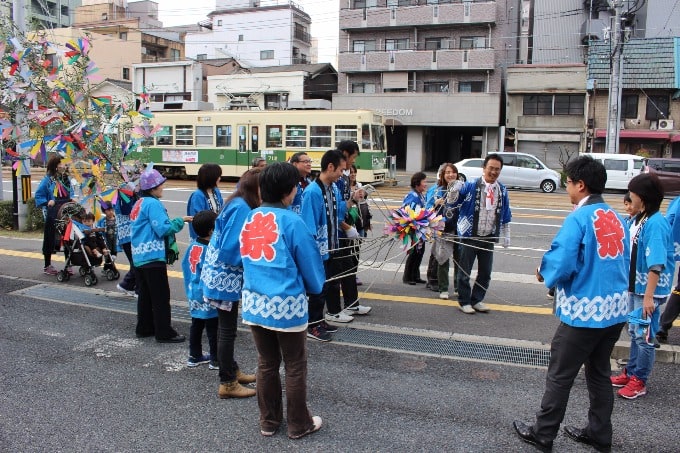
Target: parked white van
<point x="621" y="168"/>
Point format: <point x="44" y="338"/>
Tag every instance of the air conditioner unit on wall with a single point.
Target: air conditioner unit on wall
<point x="666" y="125"/>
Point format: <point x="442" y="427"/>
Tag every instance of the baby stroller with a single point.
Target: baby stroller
<point x="70" y="229"/>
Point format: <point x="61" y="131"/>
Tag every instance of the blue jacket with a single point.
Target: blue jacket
<point x="198" y="201"/>
<point x="296" y="205"/>
<point x="192" y="263"/>
<point x="413" y="199"/>
<point x="150" y="226"/>
<point x="222" y="274"/>
<point x="466" y="203"/>
<point x="314" y="216"/>
<point x="588" y="264"/>
<point x="655" y="247"/>
<point x="281" y="265"/>
<point x="45" y="192"/>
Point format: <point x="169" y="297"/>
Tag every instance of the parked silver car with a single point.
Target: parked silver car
<point x="519" y="170"/>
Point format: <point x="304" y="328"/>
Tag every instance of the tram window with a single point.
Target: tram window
<point x="184" y="135"/>
<point x="365" y="137"/>
<point x="274" y="136"/>
<point x="345" y="133"/>
<point x="320" y="137"/>
<point x="204" y="135"/>
<point x="296" y="136"/>
<point x="377" y="133"/>
<point x="223" y="136"/>
<point x="164" y="136"/>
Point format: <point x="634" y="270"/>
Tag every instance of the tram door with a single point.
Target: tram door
<point x="248" y="145"/>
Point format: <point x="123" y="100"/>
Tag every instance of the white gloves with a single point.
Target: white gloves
<point x="453" y="191"/>
<point x="352" y="233"/>
<point x="504" y="235"/>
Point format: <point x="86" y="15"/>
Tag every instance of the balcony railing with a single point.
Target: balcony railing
<point x="302" y="36"/>
<point x="419" y="13"/>
<point x="418" y="60"/>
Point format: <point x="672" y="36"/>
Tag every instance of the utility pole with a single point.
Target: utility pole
<point x="615" y="79"/>
<point x="21" y="178"/>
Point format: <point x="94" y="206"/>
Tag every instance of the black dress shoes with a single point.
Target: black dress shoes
<point x="175" y="339"/>
<point x="526" y="433"/>
<point x="580" y="435"/>
<point x="420" y="280"/>
<point x="409" y="282"/>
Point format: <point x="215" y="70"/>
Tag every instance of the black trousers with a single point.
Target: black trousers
<point x="671" y="311"/>
<point x="226" y="338"/>
<point x="342" y="270"/>
<point x="129" y="281"/>
<point x="317" y="302"/>
<point x="196" y="337"/>
<point x="153" y="302"/>
<point x="571" y="348"/>
<point x="412" y="265"/>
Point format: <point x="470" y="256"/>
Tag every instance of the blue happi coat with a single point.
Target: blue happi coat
<point x="199" y="201"/>
<point x="673" y="217"/>
<point x="314" y="216"/>
<point x="222" y="274"/>
<point x="655" y="247"/>
<point x="281" y="265"/>
<point x="467" y="203"/>
<point x="588" y="265"/>
<point x="296" y="205"/>
<point x="192" y="263"/>
<point x="150" y="226"/>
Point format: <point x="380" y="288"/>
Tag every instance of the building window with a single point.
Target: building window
<point x="629" y="106"/>
<point x="266" y="55"/>
<point x="395" y="3"/>
<point x="537" y="104"/>
<point x="202" y="56"/>
<point x="122" y="35"/>
<point x="657" y="107"/>
<point x="472" y="42"/>
<point x="271" y="102"/>
<point x="363" y="87"/>
<point x="219" y="22"/>
<point x="397" y="44"/>
<point x="223" y="136"/>
<point x="240" y="37"/>
<point x="434" y="43"/>
<point x="174" y="54"/>
<point x="569" y="104"/>
<point x="126" y="73"/>
<point x="471" y="87"/>
<point x="436" y="87"/>
<point x="363" y="46"/>
<point x="358" y="4"/>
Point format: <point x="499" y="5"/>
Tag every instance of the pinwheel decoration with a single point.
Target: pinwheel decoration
<point x="410" y="226"/>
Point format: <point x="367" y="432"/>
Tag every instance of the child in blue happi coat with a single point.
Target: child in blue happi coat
<point x="202" y="314"/>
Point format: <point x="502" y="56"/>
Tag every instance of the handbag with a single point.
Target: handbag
<point x="171" y="249"/>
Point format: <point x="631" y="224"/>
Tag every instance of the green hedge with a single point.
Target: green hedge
<point x="34" y="222"/>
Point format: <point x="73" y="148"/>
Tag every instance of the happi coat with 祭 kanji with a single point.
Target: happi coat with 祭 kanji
<point x="588" y="264"/>
<point x="281" y="264"/>
<point x="222" y="274"/>
<point x="192" y="263"/>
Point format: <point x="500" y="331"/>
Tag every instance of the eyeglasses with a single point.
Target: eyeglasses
<point x="307" y="161"/>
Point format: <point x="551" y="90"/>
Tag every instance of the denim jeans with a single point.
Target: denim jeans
<point x="272" y="346"/>
<point x="642" y="351"/>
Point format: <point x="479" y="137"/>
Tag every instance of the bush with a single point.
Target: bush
<point x="34" y="220"/>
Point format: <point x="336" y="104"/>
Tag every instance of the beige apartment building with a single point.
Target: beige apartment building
<point x="433" y="68"/>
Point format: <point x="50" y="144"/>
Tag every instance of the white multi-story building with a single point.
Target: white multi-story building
<point x="48" y="13"/>
<point x="254" y="33"/>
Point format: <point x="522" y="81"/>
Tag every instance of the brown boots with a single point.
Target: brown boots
<point x="234" y="389"/>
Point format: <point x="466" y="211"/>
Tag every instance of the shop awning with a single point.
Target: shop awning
<point x="636" y="133"/>
<point x="675" y="138"/>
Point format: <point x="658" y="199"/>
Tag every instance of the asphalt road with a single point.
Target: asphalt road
<point x="74" y="377"/>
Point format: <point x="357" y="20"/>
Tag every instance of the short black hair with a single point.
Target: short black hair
<point x="89" y="216"/>
<point x="588" y="170"/>
<point x="277" y="180"/>
<point x="257" y="160"/>
<point x="204" y="223"/>
<point x="348" y="146"/>
<point x="648" y="187"/>
<point x="207" y="176"/>
<point x="332" y="156"/>
<point x="296" y="157"/>
<point x="417" y="178"/>
<point x="492" y="156"/>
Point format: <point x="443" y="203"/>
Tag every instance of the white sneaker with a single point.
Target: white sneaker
<point x="467" y="309"/>
<point x="340" y="317"/>
<point x="357" y="310"/>
<point x="126" y="291"/>
<point x="480" y="306"/>
<point x="443" y="295"/>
